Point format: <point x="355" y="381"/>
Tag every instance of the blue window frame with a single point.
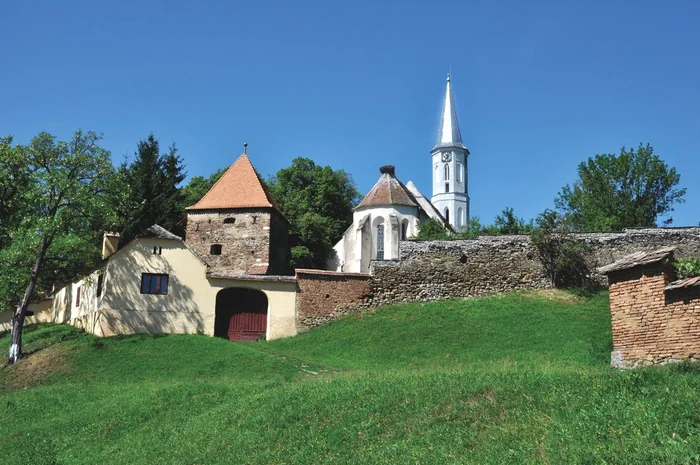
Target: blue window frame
<point x="154" y="283"/>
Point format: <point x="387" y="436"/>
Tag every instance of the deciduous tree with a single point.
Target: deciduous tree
<point x="632" y="189"/>
<point x="61" y="208"/>
<point x="318" y="202"/>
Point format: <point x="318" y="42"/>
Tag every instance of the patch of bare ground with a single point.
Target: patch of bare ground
<point x="553" y="294"/>
<point x="35" y="367"/>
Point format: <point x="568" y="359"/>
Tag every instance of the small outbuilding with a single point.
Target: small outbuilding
<point x="655" y="319"/>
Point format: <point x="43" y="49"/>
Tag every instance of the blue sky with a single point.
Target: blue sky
<point x="539" y="85"/>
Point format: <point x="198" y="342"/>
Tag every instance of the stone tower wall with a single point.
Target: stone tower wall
<point x="245" y="243"/>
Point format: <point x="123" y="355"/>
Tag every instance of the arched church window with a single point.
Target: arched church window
<point x="437" y="173"/>
<point x="380" y="242"/>
<point x="458" y="173"/>
<point x="447" y="172"/>
<point x="447" y="215"/>
<point x="458" y="219"/>
<point x="404" y="230"/>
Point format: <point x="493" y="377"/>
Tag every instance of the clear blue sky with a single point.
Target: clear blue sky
<point x="539" y="85"/>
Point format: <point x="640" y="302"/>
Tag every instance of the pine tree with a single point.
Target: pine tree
<point x="152" y="192"/>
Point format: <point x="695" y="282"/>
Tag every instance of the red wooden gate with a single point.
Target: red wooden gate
<point x="247" y="326"/>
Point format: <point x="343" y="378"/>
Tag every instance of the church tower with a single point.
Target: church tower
<point x="450" y="186"/>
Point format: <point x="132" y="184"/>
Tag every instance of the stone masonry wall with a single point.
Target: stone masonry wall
<point x="326" y="295"/>
<point x="245" y="243"/>
<point x="650" y="325"/>
<point x="434" y="270"/>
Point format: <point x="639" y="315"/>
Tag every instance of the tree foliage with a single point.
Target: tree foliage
<point x="508" y="223"/>
<point x="56" y="217"/>
<point x="631" y="189"/>
<point x="318" y="202"/>
<point x="197" y="186"/>
<point x="151" y="190"/>
<point x="563" y="257"/>
<point x="432" y="229"/>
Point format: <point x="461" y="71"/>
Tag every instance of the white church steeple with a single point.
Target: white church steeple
<point x="450" y="186"/>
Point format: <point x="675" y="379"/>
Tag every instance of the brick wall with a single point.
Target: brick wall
<point x="245" y="239"/>
<point x="651" y="325"/>
<point x="325" y="295"/>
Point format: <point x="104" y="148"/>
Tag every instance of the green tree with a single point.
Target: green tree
<point x="60" y="211"/>
<point x="614" y="192"/>
<point x="508" y="223"/>
<point x="14" y="178"/>
<point x="197" y="186"/>
<point x="432" y="229"/>
<point x="152" y="192"/>
<point x="563" y="257"/>
<point x="318" y="202"/>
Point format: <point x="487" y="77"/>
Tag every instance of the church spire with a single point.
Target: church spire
<point x="449" y="135"/>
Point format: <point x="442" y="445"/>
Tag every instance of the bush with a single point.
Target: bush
<point x="687" y="267"/>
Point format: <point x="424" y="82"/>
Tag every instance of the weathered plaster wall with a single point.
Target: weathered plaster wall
<point x="42" y="314"/>
<point x="650" y="325"/>
<point x="189" y="306"/>
<point x="281" y="301"/>
<point x="326" y="295"/>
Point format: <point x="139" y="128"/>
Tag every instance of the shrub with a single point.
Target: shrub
<point x="687" y="267"/>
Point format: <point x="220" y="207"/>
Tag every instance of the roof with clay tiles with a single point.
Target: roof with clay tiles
<point x="637" y="259"/>
<point x="388" y="191"/>
<point x="239" y="187"/>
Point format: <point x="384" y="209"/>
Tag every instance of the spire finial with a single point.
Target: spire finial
<point x="449" y="72"/>
<point x="245" y="148"/>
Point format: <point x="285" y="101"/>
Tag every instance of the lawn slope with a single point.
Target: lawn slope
<point x="509" y="379"/>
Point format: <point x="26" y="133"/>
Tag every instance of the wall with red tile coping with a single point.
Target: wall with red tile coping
<point x="326" y="295"/>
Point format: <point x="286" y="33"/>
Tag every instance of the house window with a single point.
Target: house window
<point x="100" y="284"/>
<point x="154" y="283"/>
<point x="380" y="242"/>
<point x="229" y="220"/>
<point x="215" y="249"/>
<point x="77" y="296"/>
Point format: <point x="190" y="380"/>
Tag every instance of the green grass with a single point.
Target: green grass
<point x="521" y="378"/>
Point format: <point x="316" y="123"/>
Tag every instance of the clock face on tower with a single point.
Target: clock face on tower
<point x="447" y="156"/>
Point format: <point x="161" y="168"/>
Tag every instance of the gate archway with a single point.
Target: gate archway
<point x="241" y="314"/>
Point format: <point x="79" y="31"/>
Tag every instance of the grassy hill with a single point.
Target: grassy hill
<point x="522" y="378"/>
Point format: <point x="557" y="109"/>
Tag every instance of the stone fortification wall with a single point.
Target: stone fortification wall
<point x="434" y="270"/>
<point x="326" y="295"/>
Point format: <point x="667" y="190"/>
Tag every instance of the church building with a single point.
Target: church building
<point x="392" y="212"/>
<point x="450" y="173"/>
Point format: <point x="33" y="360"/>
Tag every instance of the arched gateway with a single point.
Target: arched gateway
<point x="241" y="314"/>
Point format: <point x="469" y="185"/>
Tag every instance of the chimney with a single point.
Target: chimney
<point x="387" y="169"/>
<point x="110" y="242"/>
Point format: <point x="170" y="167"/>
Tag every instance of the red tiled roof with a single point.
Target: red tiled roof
<point x="388" y="191"/>
<point x="239" y="187"/>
